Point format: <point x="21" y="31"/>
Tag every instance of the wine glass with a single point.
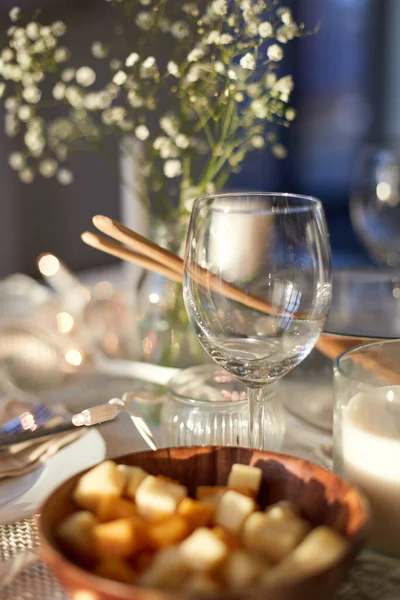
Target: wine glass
<point x="375" y="202"/>
<point x="257" y="286"/>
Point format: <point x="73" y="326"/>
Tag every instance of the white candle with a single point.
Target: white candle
<point x="371" y="460"/>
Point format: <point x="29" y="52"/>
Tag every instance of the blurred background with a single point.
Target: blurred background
<point x="347" y="93"/>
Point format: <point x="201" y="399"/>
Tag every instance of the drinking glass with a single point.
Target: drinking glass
<point x="375" y="202"/>
<point x="257" y="286"/>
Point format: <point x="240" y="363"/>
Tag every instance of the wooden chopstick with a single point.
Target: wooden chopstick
<point x="109" y="247"/>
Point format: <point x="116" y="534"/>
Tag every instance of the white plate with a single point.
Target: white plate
<point x="22" y="497"/>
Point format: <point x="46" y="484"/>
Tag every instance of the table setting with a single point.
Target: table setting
<point x="216" y="415"/>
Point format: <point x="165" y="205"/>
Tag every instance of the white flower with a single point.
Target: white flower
<point x="182" y="141"/>
<point x="275" y="53"/>
<point x="145" y="2"/>
<point x="169" y="125"/>
<point x="26" y="175"/>
<point x="232" y="75"/>
<point x="45" y="31"/>
<point x="225" y="39"/>
<point x="134" y="99"/>
<point x="24" y="60"/>
<point x="180" y="30"/>
<point x="213" y="38"/>
<point x="85" y="76"/>
<point x="194" y="73"/>
<point x="259" y="109"/>
<point x="2" y="89"/>
<point x="286" y="32"/>
<point x="68" y="74"/>
<point x="149" y="68"/>
<point x="141" y="132"/>
<point x="219" y="67"/>
<point x="132" y="59"/>
<point x="24" y="112"/>
<point x="115" y="64"/>
<point x="290" y="114"/>
<point x="61" y="54"/>
<point x="31" y="94"/>
<point x="145" y="20"/>
<point x="48" y="167"/>
<point x="270" y="80"/>
<point x="219" y="7"/>
<point x="257" y="141"/>
<point x="120" y="77"/>
<point x="58" y="28"/>
<point x="61" y="129"/>
<point x="190" y="8"/>
<point x="34" y="142"/>
<point x="32" y="31"/>
<point x="14" y="14"/>
<point x="173" y="69"/>
<point x="65" y="176"/>
<point x="172" y="168"/>
<point x="279" y="151"/>
<point x="74" y="96"/>
<point x="16" y="161"/>
<point x="248" y="62"/>
<point x="195" y="54"/>
<point x="99" y="50"/>
<point x="12" y="103"/>
<point x="58" y="91"/>
<point x="284" y="86"/>
<point x="265" y="29"/>
<point x="285" y="15"/>
<point x="11" y="125"/>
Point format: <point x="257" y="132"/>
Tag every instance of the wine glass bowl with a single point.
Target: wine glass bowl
<point x="257" y="285"/>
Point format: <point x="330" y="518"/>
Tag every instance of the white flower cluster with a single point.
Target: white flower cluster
<point x="198" y="109"/>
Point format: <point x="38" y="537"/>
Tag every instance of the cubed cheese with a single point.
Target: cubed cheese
<point x="134" y="477"/>
<point x="156" y="498"/>
<point x="244" y="476"/>
<point x="203" y="551"/>
<point x="103" y="480"/>
<point x="232" y="511"/>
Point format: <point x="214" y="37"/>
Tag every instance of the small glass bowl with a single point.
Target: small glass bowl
<point x="206" y="405"/>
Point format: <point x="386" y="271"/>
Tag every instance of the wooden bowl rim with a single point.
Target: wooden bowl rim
<point x="52" y="554"/>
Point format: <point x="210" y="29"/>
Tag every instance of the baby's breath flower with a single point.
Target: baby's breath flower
<point x="290" y="114"/>
<point x="48" y="167"/>
<point x="61" y="54"/>
<point x="26" y="175"/>
<point x="58" y="28"/>
<point x="172" y="68"/>
<point x="7" y="54"/>
<point x="58" y="91"/>
<point x="115" y="64"/>
<point x="172" y="168"/>
<point x="265" y="29"/>
<point x="145" y="20"/>
<point x="257" y="141"/>
<point x="225" y="39"/>
<point x="99" y="50"/>
<point x="85" y="76"/>
<point x="2" y="89"/>
<point x="180" y="30"/>
<point x="248" y="62"/>
<point x="232" y="74"/>
<point x="24" y="60"/>
<point x="45" y="31"/>
<point x="31" y="94"/>
<point x="68" y="75"/>
<point x="145" y="2"/>
<point x="74" y="96"/>
<point x="12" y="103"/>
<point x="149" y="69"/>
<point x="219" y="7"/>
<point x="219" y="67"/>
<point x="16" y="160"/>
<point x="182" y="141"/>
<point x="284" y="86"/>
<point x="141" y="132"/>
<point x="195" y="54"/>
<point x="14" y="14"/>
<point x="279" y="151"/>
<point x="120" y="77"/>
<point x="11" y="125"/>
<point x="285" y="15"/>
<point x="134" y="99"/>
<point x="24" y="112"/>
<point x="275" y="53"/>
<point x="32" y="31"/>
<point x="132" y="59"/>
<point x="259" y="109"/>
<point x="169" y="125"/>
<point x="65" y="176"/>
<point x="270" y="80"/>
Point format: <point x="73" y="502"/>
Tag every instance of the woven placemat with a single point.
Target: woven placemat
<point x="35" y="582"/>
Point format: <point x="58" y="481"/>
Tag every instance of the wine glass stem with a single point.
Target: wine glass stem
<point x="255" y="398"/>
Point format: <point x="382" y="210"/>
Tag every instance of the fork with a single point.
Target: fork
<point x="36" y="416"/>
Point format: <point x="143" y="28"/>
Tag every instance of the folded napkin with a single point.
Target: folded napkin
<point x="23" y="458"/>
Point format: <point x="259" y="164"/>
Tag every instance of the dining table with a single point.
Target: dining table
<point x="308" y="435"/>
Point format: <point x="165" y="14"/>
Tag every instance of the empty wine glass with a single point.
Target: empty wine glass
<point x="257" y="286"/>
<point x="375" y="202"/>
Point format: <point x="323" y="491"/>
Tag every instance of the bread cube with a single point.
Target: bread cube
<point x="319" y="550"/>
<point x="231" y="541"/>
<point x="156" y="499"/>
<point x="110" y="508"/>
<point x="120" y="538"/>
<point x="167" y="532"/>
<point x="203" y="551"/>
<point x="283" y="510"/>
<point x="76" y="535"/>
<point x="243" y="569"/>
<point x="202" y="584"/>
<point x="103" y="480"/>
<point x="232" y="511"/>
<point x="168" y="570"/>
<point x="197" y="514"/>
<point x="273" y="539"/>
<point x="133" y="477"/>
<point x="116" y="569"/>
<point x="244" y="476"/>
<point x="204" y="492"/>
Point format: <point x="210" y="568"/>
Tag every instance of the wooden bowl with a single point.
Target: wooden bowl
<point x="323" y="498"/>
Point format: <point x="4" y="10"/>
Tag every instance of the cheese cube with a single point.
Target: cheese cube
<point x="202" y="550"/>
<point x="243" y="569"/>
<point x="167" y="570"/>
<point x="76" y="534"/>
<point x="156" y="499"/>
<point x="320" y="549"/>
<point x="232" y="511"/>
<point x="231" y="541"/>
<point x="244" y="476"/>
<point x="103" y="480"/>
<point x="167" y="532"/>
<point x="116" y="569"/>
<point x="273" y="539"/>
<point x="197" y="514"/>
<point x="110" y="508"/>
<point x="134" y="477"/>
<point x="283" y="510"/>
<point x="120" y="538"/>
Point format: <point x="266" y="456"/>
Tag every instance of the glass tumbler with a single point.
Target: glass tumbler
<point x="206" y="405"/>
<point x="367" y="433"/>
